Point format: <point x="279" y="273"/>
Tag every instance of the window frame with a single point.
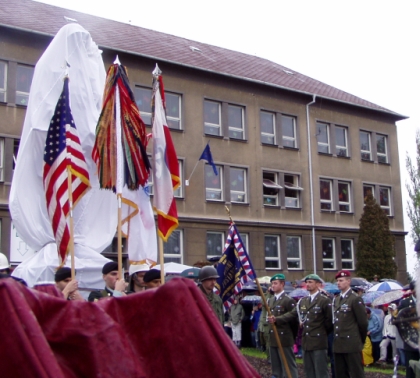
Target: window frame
<point x="143" y="114"/>
<point x="343" y="203"/>
<point x="331" y="200"/>
<point x="381" y="154"/>
<point x="172" y="118"/>
<point x="294" y="138"/>
<point x="245" y="191"/>
<point x="220" y="168"/>
<point x="213" y="125"/>
<point x="179" y="256"/>
<point x="276" y="259"/>
<point x="222" y="238"/>
<point x="288" y="187"/>
<point x="338" y="147"/>
<point x="2" y="144"/>
<point x="179" y="192"/>
<point x="351" y="260"/>
<point x="271" y="185"/>
<point x="328" y="143"/>
<point x="292" y="259"/>
<point x="334" y="255"/>
<point x="235" y="128"/>
<point x="376" y="194"/>
<point x="265" y="134"/>
<point x="22" y="93"/>
<point x="3" y="90"/>
<point x="386" y="208"/>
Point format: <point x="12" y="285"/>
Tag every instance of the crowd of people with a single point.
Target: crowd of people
<point x="323" y="329"/>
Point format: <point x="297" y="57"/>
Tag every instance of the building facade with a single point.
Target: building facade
<point x="295" y="157"/>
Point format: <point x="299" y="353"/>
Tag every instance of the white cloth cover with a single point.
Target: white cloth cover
<point x="95" y="216"/>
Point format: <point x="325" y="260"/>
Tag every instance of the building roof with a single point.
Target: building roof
<point x="46" y="19"/>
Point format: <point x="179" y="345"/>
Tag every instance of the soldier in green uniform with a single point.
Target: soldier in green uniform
<point x="114" y="286"/>
<point x="350" y="324"/>
<point x="207" y="278"/>
<point x="315" y="317"/>
<point x="284" y="316"/>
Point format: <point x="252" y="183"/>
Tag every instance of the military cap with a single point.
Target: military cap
<point x="278" y="276"/>
<point x="62" y="273"/>
<point x="152" y="274"/>
<point x="343" y="273"/>
<point x="109" y="267"/>
<point x="314" y="277"/>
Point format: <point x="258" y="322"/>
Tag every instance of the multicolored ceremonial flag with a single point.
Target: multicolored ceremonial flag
<point x="119" y="151"/>
<point x="165" y="163"/>
<point x="206" y="155"/>
<point x="234" y="269"/>
<point x="63" y="150"/>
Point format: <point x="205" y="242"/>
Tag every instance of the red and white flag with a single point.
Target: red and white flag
<point x="63" y="149"/>
<point x="165" y="163"/>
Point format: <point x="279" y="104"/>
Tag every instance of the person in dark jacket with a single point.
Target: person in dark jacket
<point x="114" y="286"/>
<point x="350" y="324"/>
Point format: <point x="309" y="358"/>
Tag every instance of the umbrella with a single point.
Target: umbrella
<point x="250" y="286"/>
<point x="251" y="298"/>
<point x="370" y="296"/>
<point x="331" y="288"/>
<point x="388" y="297"/>
<point x="264" y="280"/>
<point x="385" y="286"/>
<point x="391" y="280"/>
<point x="299" y="293"/>
<point x="360" y="281"/>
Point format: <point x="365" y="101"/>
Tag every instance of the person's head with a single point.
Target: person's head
<point x="152" y="279"/>
<point x="4" y="264"/>
<point x="343" y="278"/>
<point x="62" y="277"/>
<point x="375" y="278"/>
<point x="368" y="313"/>
<point x="110" y="274"/>
<point x="208" y="276"/>
<point x="392" y="308"/>
<point x="137" y="272"/>
<point x="312" y="281"/>
<point x="235" y="300"/>
<point x="277" y="283"/>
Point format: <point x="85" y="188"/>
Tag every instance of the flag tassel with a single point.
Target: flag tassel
<point x="273" y="326"/>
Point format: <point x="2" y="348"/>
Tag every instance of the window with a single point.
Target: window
<point x="328" y="253"/>
<point x="323" y="137"/>
<point x="1" y="159"/>
<point x="288" y="126"/>
<point x="173" y="110"/>
<point x="347" y="259"/>
<point x="344" y="197"/>
<point x="384" y="199"/>
<point x="365" y="147"/>
<point x="3" y="81"/>
<point x="238" y="185"/>
<point x="212" y="117"/>
<point x="215" y="244"/>
<point x="272" y="251"/>
<point x="292" y="190"/>
<point x="294" y="252"/>
<point x="144" y="103"/>
<point x="270" y="189"/>
<point x="23" y="83"/>
<point x="381" y="192"/>
<point x="236" y="122"/>
<point x="341" y="141"/>
<point x="214" y="184"/>
<point x="381" y="148"/>
<point x="268" y="128"/>
<point x="172" y="249"/>
<point x="326" y="194"/>
<point x="179" y="193"/>
<point x="16" y="143"/>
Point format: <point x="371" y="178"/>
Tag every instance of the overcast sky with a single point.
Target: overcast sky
<point x="366" y="48"/>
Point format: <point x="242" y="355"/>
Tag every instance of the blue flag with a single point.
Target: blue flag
<point x="234" y="269"/>
<point x="206" y="155"/>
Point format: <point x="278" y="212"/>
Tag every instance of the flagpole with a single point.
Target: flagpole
<point x="119" y="235"/>
<point x="161" y="261"/>
<point x="273" y="326"/>
<point x="187" y="182"/>
<point x="71" y="241"/>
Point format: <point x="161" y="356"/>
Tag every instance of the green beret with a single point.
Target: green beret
<point x="314" y="277"/>
<point x="279" y="276"/>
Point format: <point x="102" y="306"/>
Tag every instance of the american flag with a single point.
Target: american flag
<point x="62" y="150"/>
<point x="234" y="268"/>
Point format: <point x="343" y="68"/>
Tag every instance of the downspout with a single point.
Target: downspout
<point x="311" y="188"/>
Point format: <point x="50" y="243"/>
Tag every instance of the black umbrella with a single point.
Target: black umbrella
<point x="360" y="281"/>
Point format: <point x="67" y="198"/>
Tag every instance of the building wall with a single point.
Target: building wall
<point x="198" y="215"/>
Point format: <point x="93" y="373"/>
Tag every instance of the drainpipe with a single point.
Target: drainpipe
<point x="311" y="188"/>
